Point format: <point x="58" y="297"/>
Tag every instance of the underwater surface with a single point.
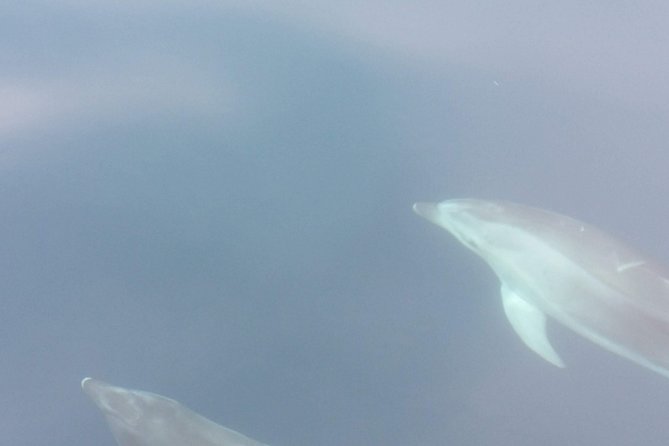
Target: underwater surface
<point x="212" y="201"/>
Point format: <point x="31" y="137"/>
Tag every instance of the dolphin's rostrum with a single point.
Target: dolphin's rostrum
<point x="552" y="265"/>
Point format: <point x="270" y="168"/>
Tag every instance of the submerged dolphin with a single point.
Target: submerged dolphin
<point x="138" y="418"/>
<point x="550" y="264"/>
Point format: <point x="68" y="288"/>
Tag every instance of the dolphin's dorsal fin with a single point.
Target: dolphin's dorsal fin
<point x="530" y="324"/>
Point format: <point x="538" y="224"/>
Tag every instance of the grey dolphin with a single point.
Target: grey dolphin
<point x="138" y="418"/>
<point x="550" y="264"/>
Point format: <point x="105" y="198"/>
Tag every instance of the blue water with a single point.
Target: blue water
<point x="213" y="202"/>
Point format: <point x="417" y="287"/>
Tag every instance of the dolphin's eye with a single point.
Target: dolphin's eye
<point x="470" y="242"/>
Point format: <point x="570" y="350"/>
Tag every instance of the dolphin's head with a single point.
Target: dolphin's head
<point x="477" y="224"/>
<point x="506" y="234"/>
<point x="132" y="414"/>
<point x="126" y="406"/>
<point x="114" y="401"/>
<point x="139" y="418"/>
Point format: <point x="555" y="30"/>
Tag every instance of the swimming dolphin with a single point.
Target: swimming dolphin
<point x="138" y="418"/>
<point x="550" y="264"/>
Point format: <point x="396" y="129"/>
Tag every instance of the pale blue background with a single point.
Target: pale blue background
<point x="212" y="201"/>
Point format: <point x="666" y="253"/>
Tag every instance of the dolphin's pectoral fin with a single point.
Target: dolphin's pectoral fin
<point x="530" y="324"/>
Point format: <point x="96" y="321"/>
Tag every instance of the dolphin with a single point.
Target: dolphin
<point x="138" y="418"/>
<point x="553" y="265"/>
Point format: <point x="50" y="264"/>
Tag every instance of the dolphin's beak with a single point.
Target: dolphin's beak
<point x="429" y="211"/>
